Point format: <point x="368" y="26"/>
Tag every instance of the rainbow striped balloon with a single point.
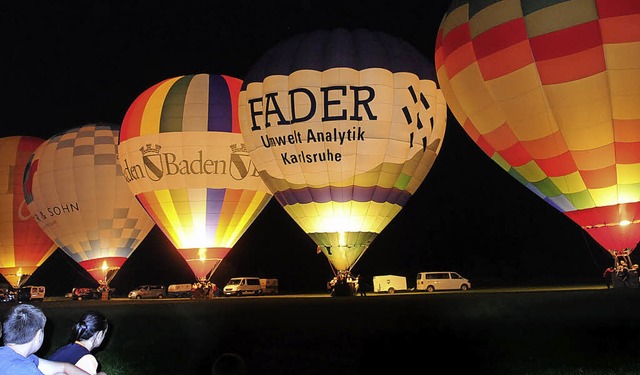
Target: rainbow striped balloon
<point x="183" y="156"/>
<point x="550" y="90"/>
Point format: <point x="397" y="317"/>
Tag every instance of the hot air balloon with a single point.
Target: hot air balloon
<point x="550" y="91"/>
<point x="343" y="127"/>
<point x="75" y="189"/>
<point x="23" y="245"/>
<point x="184" y="159"/>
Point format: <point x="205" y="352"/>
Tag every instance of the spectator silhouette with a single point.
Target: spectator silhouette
<point x="23" y="335"/>
<point x="229" y="364"/>
<point x="360" y="287"/>
<point x="86" y="335"/>
<point x="608" y="273"/>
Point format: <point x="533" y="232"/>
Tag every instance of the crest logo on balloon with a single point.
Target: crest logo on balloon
<point x="152" y="161"/>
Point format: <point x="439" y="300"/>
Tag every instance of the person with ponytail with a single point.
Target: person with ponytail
<point x="86" y="335"/>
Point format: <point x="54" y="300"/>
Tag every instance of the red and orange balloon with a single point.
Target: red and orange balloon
<point x="551" y="92"/>
<point x="23" y="245"/>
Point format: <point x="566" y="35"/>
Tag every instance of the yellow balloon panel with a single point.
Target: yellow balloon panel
<point x="218" y="220"/>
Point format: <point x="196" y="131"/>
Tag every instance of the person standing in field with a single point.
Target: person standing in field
<point x="607" y="276"/>
<point x="23" y="335"/>
<point x="86" y="335"/>
<point x="360" y="287"/>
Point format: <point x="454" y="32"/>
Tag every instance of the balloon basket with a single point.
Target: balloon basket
<point x="342" y="285"/>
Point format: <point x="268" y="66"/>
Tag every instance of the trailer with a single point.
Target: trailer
<point x="180" y="291"/>
<point x="389" y="284"/>
<point x="269" y="286"/>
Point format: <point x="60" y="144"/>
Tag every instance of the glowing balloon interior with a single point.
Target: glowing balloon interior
<point x="551" y="92"/>
<point x="75" y="189"/>
<point x="343" y="127"/>
<point x="23" y="245"/>
<point x="184" y="159"/>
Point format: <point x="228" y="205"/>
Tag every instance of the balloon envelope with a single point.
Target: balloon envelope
<point x="551" y="92"/>
<point x="23" y="245"/>
<point x="343" y="127"/>
<point x="184" y="158"/>
<point x="75" y="190"/>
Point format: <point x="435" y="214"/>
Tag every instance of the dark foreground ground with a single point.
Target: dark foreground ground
<point x="560" y="331"/>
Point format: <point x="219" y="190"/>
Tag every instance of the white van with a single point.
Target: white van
<point x="31" y="293"/>
<point x="239" y="286"/>
<point x="389" y="284"/>
<point x="445" y="280"/>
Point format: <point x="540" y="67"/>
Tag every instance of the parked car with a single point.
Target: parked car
<point x="78" y="294"/>
<point x="447" y="280"/>
<point x="148" y="291"/>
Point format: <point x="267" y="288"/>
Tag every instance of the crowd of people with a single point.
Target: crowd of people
<point x="344" y="284"/>
<point x="621" y="275"/>
<point x="204" y="290"/>
<point x="86" y="335"/>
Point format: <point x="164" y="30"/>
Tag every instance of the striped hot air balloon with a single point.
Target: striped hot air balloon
<point x="550" y="90"/>
<point x="343" y="126"/>
<point x="23" y="245"/>
<point x="184" y="159"/>
<point x="75" y="190"/>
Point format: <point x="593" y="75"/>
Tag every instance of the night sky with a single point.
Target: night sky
<point x="70" y="63"/>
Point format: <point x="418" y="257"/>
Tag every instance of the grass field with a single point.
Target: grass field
<point x="536" y="331"/>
